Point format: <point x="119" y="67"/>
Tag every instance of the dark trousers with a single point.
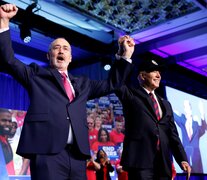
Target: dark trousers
<point x="65" y="165"/>
<point x="144" y="174"/>
<point x="155" y="173"/>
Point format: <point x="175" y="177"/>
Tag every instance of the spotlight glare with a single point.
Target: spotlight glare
<point x="27" y="39"/>
<point x="107" y="67"/>
<point x="25" y="34"/>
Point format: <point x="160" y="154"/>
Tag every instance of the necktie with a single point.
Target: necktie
<point x="67" y="86"/>
<point x="155" y="104"/>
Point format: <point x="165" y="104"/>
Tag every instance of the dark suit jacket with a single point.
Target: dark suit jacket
<point x="46" y="125"/>
<point x="142" y="130"/>
<point x="192" y="146"/>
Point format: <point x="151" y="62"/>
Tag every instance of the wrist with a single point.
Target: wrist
<point x="126" y="55"/>
<point x="4" y="23"/>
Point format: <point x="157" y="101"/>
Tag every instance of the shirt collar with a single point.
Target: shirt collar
<point x="153" y="92"/>
<point x="66" y="72"/>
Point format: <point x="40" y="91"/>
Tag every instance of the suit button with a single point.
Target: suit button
<point x="67" y="118"/>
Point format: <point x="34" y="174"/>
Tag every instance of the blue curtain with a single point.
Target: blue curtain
<point x="14" y="96"/>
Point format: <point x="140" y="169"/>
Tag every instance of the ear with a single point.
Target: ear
<point x="142" y="76"/>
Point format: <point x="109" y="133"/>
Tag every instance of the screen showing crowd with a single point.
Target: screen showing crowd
<point x="106" y="131"/>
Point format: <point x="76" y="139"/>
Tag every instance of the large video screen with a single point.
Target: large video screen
<point x="12" y="166"/>
<point x="190" y="114"/>
<point x="103" y="114"/>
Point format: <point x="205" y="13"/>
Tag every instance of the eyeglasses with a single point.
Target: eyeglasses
<point x="90" y="123"/>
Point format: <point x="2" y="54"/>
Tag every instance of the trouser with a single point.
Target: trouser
<point x="65" y="165"/>
<point x="155" y="173"/>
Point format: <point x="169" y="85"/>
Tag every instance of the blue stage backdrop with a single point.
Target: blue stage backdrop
<point x="190" y="113"/>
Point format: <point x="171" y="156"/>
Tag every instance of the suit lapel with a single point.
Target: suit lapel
<point x="58" y="79"/>
<point x="151" y="106"/>
<point x="147" y="100"/>
<point x="75" y="84"/>
<point x="163" y="106"/>
<point x="74" y="81"/>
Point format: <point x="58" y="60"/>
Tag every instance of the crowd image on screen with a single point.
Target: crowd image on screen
<point x="106" y="131"/>
<point x="11" y="122"/>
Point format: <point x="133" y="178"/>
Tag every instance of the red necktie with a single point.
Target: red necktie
<point x="67" y="86"/>
<point x="155" y="104"/>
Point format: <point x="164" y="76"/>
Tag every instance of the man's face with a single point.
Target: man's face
<point x="119" y="127"/>
<point x="60" y="54"/>
<point x="5" y="123"/>
<point x="13" y="129"/>
<point x="90" y="123"/>
<point x="151" y="80"/>
<point x="98" y="121"/>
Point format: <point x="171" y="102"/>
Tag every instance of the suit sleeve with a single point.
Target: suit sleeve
<point x="8" y="63"/>
<point x="119" y="74"/>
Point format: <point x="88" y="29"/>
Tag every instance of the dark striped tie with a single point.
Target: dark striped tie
<point x="155" y="104"/>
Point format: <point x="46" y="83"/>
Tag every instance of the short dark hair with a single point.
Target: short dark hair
<point x="3" y="110"/>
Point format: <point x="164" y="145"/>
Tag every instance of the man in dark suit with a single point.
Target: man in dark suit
<point x="55" y="134"/>
<point x="151" y="137"/>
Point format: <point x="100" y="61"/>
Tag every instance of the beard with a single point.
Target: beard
<point x="11" y="134"/>
<point x="4" y="130"/>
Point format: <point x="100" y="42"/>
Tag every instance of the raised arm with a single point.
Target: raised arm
<point x="8" y="62"/>
<point x="7" y="11"/>
<point x="126" y="47"/>
<point x="120" y="71"/>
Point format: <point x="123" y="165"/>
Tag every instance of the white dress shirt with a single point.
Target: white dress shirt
<point x="70" y="135"/>
<point x="159" y="107"/>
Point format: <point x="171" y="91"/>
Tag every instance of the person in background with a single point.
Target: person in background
<point x="122" y="174"/>
<point x="21" y="165"/>
<point x="191" y="134"/>
<point x="98" y="122"/>
<point x="151" y="136"/>
<point x="91" y="167"/>
<point x="103" y="140"/>
<point x="107" y="115"/>
<point x="5" y="132"/>
<point x="105" y="166"/>
<point x="55" y="135"/>
<point x="173" y="171"/>
<point x="13" y="129"/>
<point x="92" y="132"/>
<point x="25" y="167"/>
<point x="116" y="135"/>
